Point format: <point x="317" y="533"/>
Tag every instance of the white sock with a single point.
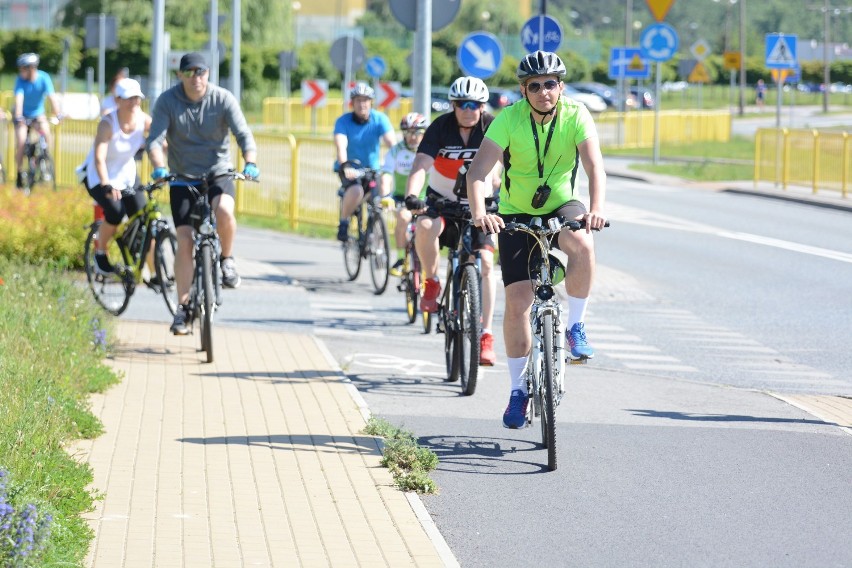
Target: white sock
<point x="486" y="330"/>
<point x="516" y="372"/>
<point x="576" y="310"/>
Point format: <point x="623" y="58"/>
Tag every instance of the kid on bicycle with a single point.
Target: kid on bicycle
<point x="544" y="135"/>
<point x="397" y="166"/>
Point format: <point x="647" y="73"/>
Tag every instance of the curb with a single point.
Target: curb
<point x="837" y="206"/>
<point x="429" y="527"/>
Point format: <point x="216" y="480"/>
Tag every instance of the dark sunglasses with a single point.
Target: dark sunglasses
<point x="190" y="73"/>
<point x="467" y="105"/>
<point x="549" y="85"/>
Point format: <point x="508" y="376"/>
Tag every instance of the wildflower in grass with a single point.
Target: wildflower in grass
<point x="2" y="282"/>
<point x="22" y="535"/>
<point x="100" y="339"/>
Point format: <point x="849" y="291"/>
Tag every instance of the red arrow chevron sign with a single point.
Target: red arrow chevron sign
<point x="314" y="92"/>
<point x="388" y="95"/>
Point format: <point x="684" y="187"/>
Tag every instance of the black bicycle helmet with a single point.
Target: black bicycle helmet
<point x="362" y="90"/>
<point x="540" y="63"/>
<point x="27" y="59"/>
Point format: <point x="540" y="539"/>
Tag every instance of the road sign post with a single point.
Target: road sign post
<point x="780" y="57"/>
<point x="659" y="43"/>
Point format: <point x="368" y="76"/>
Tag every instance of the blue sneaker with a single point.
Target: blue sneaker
<point x="516" y="413"/>
<point x="580" y="348"/>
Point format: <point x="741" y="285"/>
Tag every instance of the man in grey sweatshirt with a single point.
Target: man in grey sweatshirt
<point x="195" y="118"/>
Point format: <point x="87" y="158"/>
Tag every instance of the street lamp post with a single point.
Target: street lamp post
<point x="742" y="55"/>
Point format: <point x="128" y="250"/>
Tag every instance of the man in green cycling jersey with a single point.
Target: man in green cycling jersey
<point x="541" y="140"/>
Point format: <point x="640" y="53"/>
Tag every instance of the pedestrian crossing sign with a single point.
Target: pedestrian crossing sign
<point x="781" y="51"/>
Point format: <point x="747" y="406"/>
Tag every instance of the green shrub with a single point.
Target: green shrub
<point x="409" y="463"/>
<point x="47" y="226"/>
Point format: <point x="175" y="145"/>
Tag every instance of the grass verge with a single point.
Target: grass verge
<point x="283" y="224"/>
<point x="409" y="463"/>
<point x="52" y="342"/>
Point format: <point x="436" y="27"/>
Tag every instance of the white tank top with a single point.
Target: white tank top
<point x="122" y="147"/>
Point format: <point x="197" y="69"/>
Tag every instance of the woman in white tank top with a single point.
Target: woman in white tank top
<point x="111" y="167"/>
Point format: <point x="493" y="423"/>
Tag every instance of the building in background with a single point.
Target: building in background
<point x="327" y="20"/>
<point x="29" y="14"/>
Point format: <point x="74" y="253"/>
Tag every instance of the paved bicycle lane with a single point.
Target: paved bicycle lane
<point x="255" y="460"/>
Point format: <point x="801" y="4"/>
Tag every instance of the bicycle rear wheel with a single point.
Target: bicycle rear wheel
<point x="44" y="167"/>
<point x="207" y="300"/>
<point x="164" y="265"/>
<point x="548" y="392"/>
<point x="470" y="328"/>
<point x="110" y="290"/>
<point x="352" y="247"/>
<point x="379" y="247"/>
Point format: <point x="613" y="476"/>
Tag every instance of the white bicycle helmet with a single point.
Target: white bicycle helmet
<point x="28" y="59"/>
<point x="413" y="120"/>
<point x="469" y="89"/>
<point x="540" y="63"/>
<point x="362" y="90"/>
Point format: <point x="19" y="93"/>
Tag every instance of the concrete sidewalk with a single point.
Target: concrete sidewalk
<point x="255" y="460"/>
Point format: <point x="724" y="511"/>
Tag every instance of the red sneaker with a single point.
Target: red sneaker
<point x="487" y="357"/>
<point x="429" y="299"/>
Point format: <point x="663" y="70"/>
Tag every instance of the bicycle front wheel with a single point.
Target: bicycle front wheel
<point x="352" y="247"/>
<point x="548" y="393"/>
<point x="164" y="265"/>
<point x="109" y="290"/>
<point x="207" y="300"/>
<point x="470" y="328"/>
<point x="379" y="245"/>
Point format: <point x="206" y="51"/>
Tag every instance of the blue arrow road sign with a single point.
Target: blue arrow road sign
<point x="375" y="67"/>
<point x="480" y="54"/>
<point x="781" y="51"/>
<point x="621" y="60"/>
<point x="552" y="34"/>
<point x="659" y="42"/>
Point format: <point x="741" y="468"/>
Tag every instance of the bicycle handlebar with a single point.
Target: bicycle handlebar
<point x="457" y="210"/>
<point x="553" y="227"/>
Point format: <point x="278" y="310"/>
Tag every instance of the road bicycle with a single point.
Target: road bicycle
<point x="412" y="276"/>
<point x="38" y="164"/>
<point x="368" y="234"/>
<point x="129" y="251"/>
<point x="205" y="295"/>
<point x="545" y="368"/>
<point x="460" y="307"/>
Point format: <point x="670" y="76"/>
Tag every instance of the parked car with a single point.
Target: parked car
<point x="645" y="96"/>
<point x="610" y="96"/>
<point x="593" y="102"/>
<point x="440" y="100"/>
<point x="499" y="98"/>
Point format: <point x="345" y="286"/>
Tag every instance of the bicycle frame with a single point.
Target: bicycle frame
<point x="149" y="214"/>
<point x="451" y="296"/>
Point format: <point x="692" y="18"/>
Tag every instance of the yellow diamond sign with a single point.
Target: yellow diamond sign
<point x="700" y="49"/>
<point x="659" y="8"/>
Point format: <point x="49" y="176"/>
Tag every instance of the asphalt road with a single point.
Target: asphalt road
<point x="671" y="452"/>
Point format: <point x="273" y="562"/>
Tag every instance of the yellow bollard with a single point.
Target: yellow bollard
<point x="816" y="161"/>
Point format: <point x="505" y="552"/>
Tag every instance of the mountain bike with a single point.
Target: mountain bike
<point x="460" y="308"/>
<point x="205" y="295"/>
<point x="412" y="276"/>
<point x="128" y="253"/>
<point x="545" y="369"/>
<point x="38" y="164"/>
<point x="368" y="234"/>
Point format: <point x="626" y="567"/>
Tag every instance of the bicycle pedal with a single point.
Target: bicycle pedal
<point x="580" y="361"/>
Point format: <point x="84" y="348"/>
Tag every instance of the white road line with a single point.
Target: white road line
<point x="624" y="347"/>
<point x="642" y="357"/>
<point x="659" y="367"/>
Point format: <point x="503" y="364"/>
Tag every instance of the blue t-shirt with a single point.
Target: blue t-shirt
<point x="363" y="139"/>
<point x="34" y="93"/>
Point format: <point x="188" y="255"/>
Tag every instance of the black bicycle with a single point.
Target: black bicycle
<point x="545" y="370"/>
<point x="38" y="164"/>
<point x="412" y="276"/>
<point x="129" y="251"/>
<point x="460" y="307"/>
<point x="205" y="294"/>
<point x="368" y="234"/>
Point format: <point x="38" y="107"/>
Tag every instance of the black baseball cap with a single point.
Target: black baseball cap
<point x="193" y="60"/>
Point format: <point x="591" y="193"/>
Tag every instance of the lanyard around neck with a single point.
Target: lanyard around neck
<point x="538" y="159"/>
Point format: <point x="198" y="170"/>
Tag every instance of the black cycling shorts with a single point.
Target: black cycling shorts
<point x="516" y="259"/>
<point x="182" y="198"/>
<point x="114" y="209"/>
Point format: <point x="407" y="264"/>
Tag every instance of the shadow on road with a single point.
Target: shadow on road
<point x="719" y="417"/>
<point x="277" y="378"/>
<point x="296" y="442"/>
<point x="480" y="455"/>
<point x="410" y="386"/>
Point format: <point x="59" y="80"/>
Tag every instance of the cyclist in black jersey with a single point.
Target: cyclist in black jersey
<point x="447" y="149"/>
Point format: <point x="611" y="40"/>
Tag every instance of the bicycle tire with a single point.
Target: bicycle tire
<point x="451" y="343"/>
<point x="352" y="247"/>
<point x="165" y="251"/>
<point x="470" y="328"/>
<point x="379" y="254"/>
<point x="208" y="300"/>
<point x="110" y="291"/>
<point x="411" y="297"/>
<point x="46" y="171"/>
<point x="548" y="414"/>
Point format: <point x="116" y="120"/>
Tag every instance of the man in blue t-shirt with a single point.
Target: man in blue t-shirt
<point x="356" y="136"/>
<point x="31" y="88"/>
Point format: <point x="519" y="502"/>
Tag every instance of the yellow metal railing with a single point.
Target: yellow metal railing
<point x="291" y="115"/>
<point x="635" y="129"/>
<point x="818" y="159"/>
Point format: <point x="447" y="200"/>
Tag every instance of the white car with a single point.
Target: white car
<point x="593" y="102"/>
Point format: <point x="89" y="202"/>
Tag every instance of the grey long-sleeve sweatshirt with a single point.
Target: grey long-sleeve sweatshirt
<point x="197" y="132"/>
